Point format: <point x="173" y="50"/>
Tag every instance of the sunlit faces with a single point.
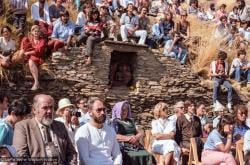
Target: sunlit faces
<point x="98" y="112"/>
<point x="130" y="8"/>
<point x="35" y="32"/>
<point x="44" y="110"/>
<point x="6" y="33"/>
<point x="228" y="128"/>
<point x="191" y="109"/>
<point x="125" y="111"/>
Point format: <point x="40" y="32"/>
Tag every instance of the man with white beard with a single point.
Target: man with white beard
<point x="42" y="140"/>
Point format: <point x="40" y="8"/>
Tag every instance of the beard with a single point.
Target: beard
<point x="47" y="121"/>
<point x="99" y="120"/>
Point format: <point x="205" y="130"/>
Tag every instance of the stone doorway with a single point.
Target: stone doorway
<point x="122" y="68"/>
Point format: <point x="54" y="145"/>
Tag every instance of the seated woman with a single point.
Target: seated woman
<point x="128" y="136"/>
<point x="218" y="145"/>
<point x="33" y="48"/>
<point x="163" y="131"/>
<point x="92" y="33"/>
<point x="7" y="46"/>
<point x="240" y="126"/>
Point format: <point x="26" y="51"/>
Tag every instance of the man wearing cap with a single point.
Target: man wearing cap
<point x="130" y="25"/>
<point x="96" y="142"/>
<point x="42" y="137"/>
<point x="67" y="115"/>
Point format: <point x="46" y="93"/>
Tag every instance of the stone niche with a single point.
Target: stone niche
<point x="155" y="78"/>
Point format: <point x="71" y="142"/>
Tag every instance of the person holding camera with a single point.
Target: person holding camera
<point x="7" y="46"/>
<point x="218" y="144"/>
<point x="219" y="74"/>
<point x="92" y="33"/>
<point x="69" y="116"/>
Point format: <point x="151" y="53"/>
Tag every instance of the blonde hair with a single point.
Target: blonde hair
<point x="158" y="108"/>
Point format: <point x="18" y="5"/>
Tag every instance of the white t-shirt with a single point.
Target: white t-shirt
<point x="81" y="19"/>
<point x="97" y="146"/>
<point x="7" y="45"/>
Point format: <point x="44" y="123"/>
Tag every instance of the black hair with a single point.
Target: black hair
<point x="78" y="99"/>
<point x="91" y="13"/>
<point x="64" y="13"/>
<point x="241" y="52"/>
<point x="224" y="121"/>
<point x="19" y="107"/>
<point x="222" y="55"/>
<point x="5" y="27"/>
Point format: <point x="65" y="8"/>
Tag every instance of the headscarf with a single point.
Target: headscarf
<point x="117" y="110"/>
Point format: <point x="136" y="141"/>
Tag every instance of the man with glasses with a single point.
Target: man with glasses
<point x="179" y="109"/>
<point x="82" y="106"/>
<point x="96" y="141"/>
<point x="42" y="137"/>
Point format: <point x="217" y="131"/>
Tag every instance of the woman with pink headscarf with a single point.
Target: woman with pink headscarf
<point x="129" y="137"/>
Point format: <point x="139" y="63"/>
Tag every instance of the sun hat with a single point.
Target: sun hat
<point x="63" y="103"/>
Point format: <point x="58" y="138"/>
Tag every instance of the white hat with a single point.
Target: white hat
<point x="218" y="107"/>
<point x="63" y="103"/>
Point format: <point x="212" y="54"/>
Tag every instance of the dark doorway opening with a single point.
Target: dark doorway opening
<point x="121" y="69"/>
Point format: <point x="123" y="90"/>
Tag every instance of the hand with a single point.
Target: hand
<point x="131" y="31"/>
<point x="133" y="140"/>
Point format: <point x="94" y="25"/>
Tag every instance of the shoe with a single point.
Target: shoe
<point x="34" y="87"/>
<point x="229" y="107"/>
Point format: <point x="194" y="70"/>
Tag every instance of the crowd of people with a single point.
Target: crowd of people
<point x="129" y="21"/>
<point x="87" y="133"/>
<point x="82" y="132"/>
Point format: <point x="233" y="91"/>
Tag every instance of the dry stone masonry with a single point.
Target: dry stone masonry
<point x="156" y="78"/>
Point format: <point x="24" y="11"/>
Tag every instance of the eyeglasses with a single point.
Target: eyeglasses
<point x="181" y="107"/>
<point x="5" y="31"/>
<point x="241" y="114"/>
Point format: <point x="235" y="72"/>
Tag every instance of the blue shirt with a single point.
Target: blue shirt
<point x="63" y="31"/>
<point x="213" y="139"/>
<point x="239" y="130"/>
<point x="6" y="133"/>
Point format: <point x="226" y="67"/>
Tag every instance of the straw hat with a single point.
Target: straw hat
<point x="218" y="107"/>
<point x="63" y="103"/>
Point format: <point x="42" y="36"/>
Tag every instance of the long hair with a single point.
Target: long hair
<point x="240" y="109"/>
<point x="91" y="13"/>
<point x="161" y="106"/>
<point x="224" y="121"/>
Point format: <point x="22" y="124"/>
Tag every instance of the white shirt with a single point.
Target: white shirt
<point x="237" y="63"/>
<point x="163" y="126"/>
<point x="81" y="19"/>
<point x="173" y="118"/>
<point x="97" y="146"/>
<point x="35" y="13"/>
<point x="246" y="33"/>
<point x="246" y="145"/>
<point x="7" y="45"/>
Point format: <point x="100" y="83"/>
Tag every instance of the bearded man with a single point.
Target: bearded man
<point x="96" y="142"/>
<point x="41" y="139"/>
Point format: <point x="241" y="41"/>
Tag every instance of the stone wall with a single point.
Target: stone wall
<point x="156" y="78"/>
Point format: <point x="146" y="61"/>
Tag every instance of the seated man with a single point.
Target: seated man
<point x="18" y="8"/>
<point x="188" y="126"/>
<point x="18" y="110"/>
<point x="240" y="68"/>
<point x="62" y="33"/>
<point x="130" y="25"/>
<point x="40" y="14"/>
<point x="96" y="142"/>
<point x="175" y="48"/>
<point x="219" y="74"/>
<point x="55" y="10"/>
<point x="42" y="136"/>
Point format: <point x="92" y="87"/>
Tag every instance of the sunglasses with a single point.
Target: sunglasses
<point x="99" y="110"/>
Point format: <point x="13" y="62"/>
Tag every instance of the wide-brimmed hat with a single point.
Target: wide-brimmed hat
<point x="63" y="103"/>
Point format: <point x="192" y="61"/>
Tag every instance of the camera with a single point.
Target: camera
<point x="74" y="112"/>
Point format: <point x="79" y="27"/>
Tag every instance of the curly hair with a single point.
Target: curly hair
<point x="161" y="106"/>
